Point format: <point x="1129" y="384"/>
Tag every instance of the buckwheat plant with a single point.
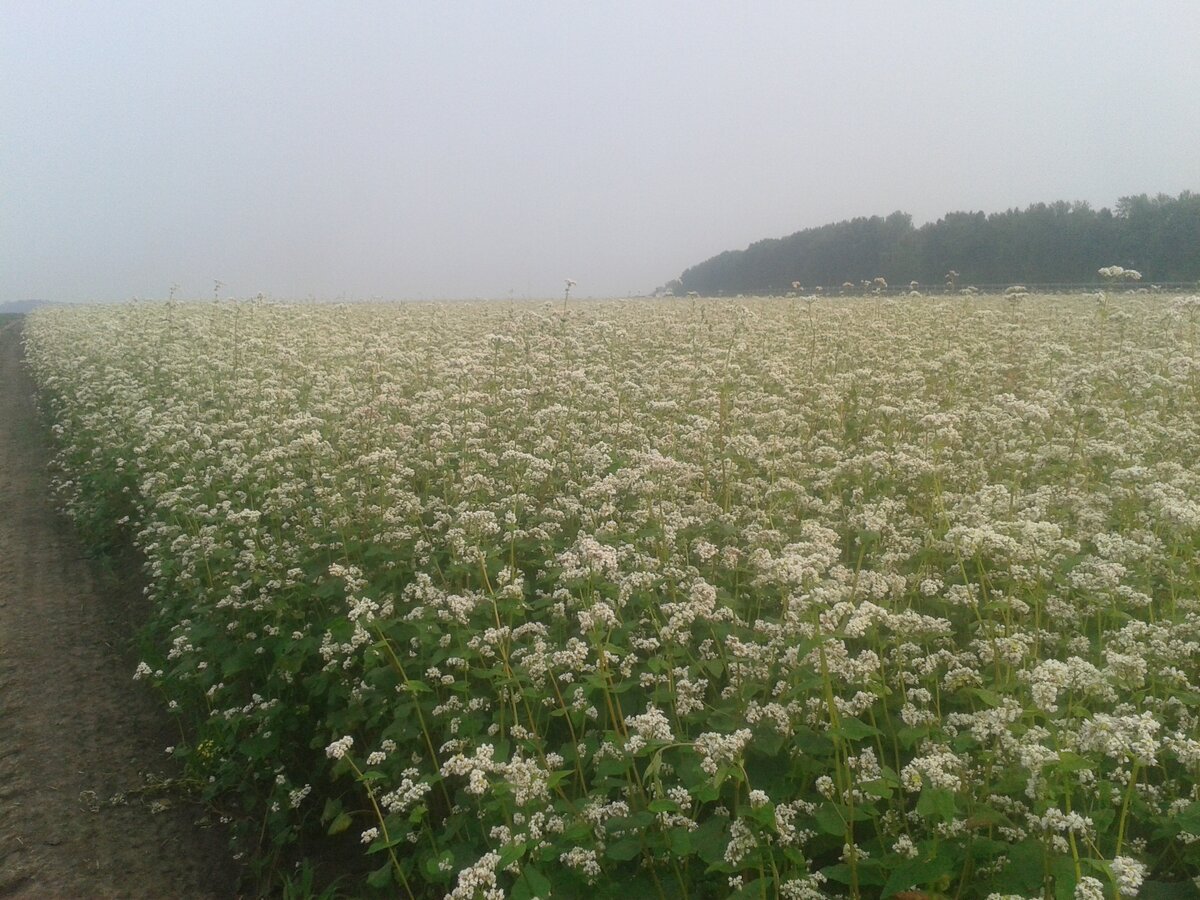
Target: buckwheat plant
<point x="862" y="597"/>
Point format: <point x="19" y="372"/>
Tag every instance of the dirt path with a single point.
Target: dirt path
<point x="75" y="730"/>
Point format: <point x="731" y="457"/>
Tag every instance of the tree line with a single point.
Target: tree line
<point x="1058" y="242"/>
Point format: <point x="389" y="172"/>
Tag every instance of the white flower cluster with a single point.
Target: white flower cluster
<point x="1119" y="273"/>
<point x="478" y="881"/>
<point x="340" y="747"/>
<point x="1129" y="874"/>
<point x="652" y="725"/>
<point x="528" y="781"/>
<point x="1123" y="738"/>
<point x="407" y="794"/>
<point x="721" y="749"/>
<point x="939" y="767"/>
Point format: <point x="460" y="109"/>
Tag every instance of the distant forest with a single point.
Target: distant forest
<point x="1055" y="243"/>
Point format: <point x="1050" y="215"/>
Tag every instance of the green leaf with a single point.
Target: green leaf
<point x="635" y="822"/>
<point x="655" y="764"/>
<point x="908" y="737"/>
<point x="1023" y="874"/>
<point x="1103" y="817"/>
<point x="510" y="853"/>
<point x="577" y="832"/>
<point x="1188" y="818"/>
<point x="234" y="664"/>
<point x="633" y="886"/>
<point x="755" y="889"/>
<point x="333" y="806"/>
<point x="1163" y="890"/>
<point x="878" y="788"/>
<point x="609" y="766"/>
<point x="340" y="824"/>
<point x="764" y="815"/>
<point x="936" y="803"/>
<point x="381" y="877"/>
<point x="831" y="818"/>
<point x="709" y="840"/>
<point x="1063" y="869"/>
<point x="439" y="867"/>
<point x="811" y="743"/>
<point x="919" y="873"/>
<point x="1072" y="762"/>
<point x="625" y="849"/>
<point x="726" y="773"/>
<point x="679" y="841"/>
<point x="768" y="743"/>
<point x="984" y="816"/>
<point x="839" y="872"/>
<point x="855" y="729"/>
<point x="991" y="698"/>
<point x="869" y="871"/>
<point x="531" y="883"/>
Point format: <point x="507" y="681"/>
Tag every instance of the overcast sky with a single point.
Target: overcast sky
<point x="462" y="149"/>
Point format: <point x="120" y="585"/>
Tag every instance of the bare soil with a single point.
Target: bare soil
<point x="75" y="729"/>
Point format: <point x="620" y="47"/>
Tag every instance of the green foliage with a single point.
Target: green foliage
<point x="1056" y="243"/>
<point x="663" y="601"/>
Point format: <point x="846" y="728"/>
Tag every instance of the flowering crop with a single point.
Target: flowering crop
<point x="775" y="598"/>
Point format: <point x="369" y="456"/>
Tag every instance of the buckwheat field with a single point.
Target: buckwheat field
<point x="785" y="598"/>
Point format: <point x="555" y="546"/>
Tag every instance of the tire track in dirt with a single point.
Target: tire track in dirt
<point x="75" y="730"/>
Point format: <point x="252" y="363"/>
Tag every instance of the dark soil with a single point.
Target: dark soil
<point x="75" y="730"/>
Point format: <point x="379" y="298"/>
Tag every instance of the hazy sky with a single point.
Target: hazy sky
<point x="458" y="149"/>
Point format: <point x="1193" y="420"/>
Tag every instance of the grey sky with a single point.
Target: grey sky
<point x="460" y="149"/>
